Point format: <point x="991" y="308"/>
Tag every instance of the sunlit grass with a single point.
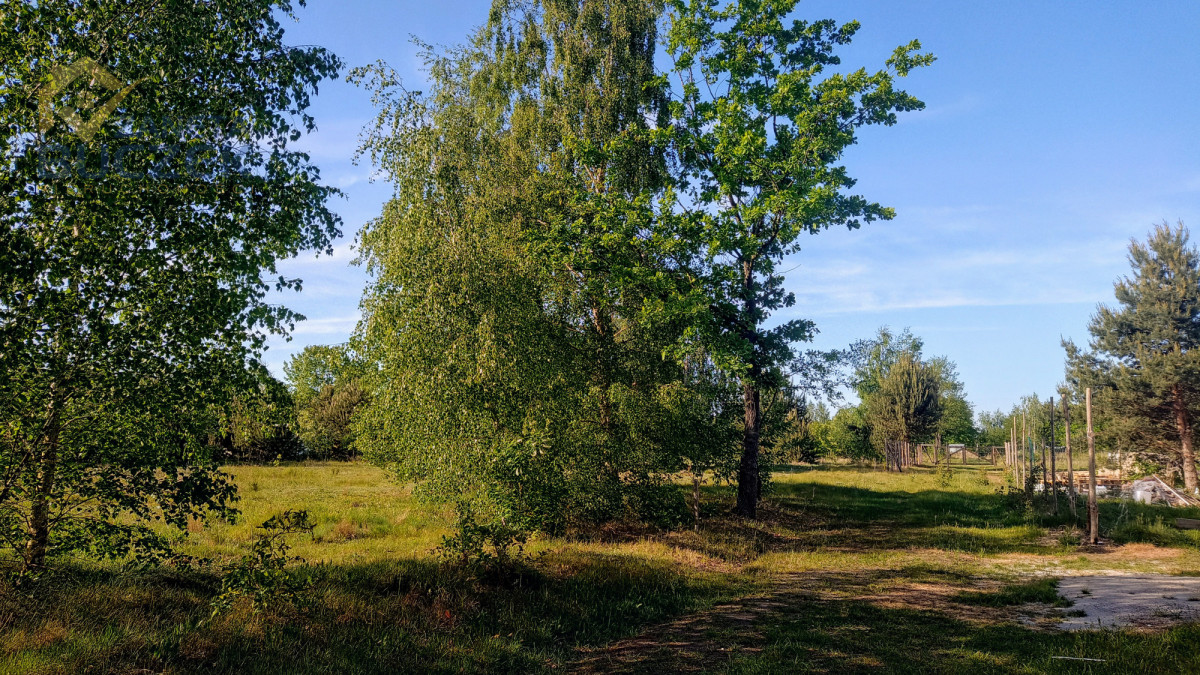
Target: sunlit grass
<point x="382" y="602"/>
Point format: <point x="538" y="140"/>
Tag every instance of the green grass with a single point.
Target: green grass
<point x="874" y="572"/>
<point x="1043" y="591"/>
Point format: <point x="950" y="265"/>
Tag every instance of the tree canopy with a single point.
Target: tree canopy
<point x="137" y="251"/>
<point x="760" y="129"/>
<point x="517" y="272"/>
<point x="1144" y="360"/>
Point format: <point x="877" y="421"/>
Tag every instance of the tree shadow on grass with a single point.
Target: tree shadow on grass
<point x="887" y="621"/>
<point x="385" y="617"/>
<point x="811" y="516"/>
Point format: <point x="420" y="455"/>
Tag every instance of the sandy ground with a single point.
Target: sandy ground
<point x="1137" y="600"/>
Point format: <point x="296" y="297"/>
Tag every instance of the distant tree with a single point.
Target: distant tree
<point x="131" y="294"/>
<point x="870" y="359"/>
<point x="759" y="128"/>
<point x="993" y="428"/>
<point x="957" y="421"/>
<point x="849" y="435"/>
<point x="325" y="420"/>
<point x="318" y="366"/>
<point x="788" y="434"/>
<point x="258" y="423"/>
<point x="327" y="383"/>
<point x="1145" y="352"/>
<point x="907" y="406"/>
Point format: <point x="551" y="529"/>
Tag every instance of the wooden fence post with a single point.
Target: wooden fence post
<point x="1027" y="454"/>
<point x="1070" y="461"/>
<point x="1093" y="506"/>
<point x="1053" y="464"/>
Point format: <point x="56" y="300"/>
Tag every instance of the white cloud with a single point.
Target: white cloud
<point x="338" y="325"/>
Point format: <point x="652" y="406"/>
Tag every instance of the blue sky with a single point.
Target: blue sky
<point x="1054" y="132"/>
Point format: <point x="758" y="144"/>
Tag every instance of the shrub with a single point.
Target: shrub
<point x="492" y="550"/>
<point x="261" y="575"/>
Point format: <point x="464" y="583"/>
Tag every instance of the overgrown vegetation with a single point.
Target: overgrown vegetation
<point x="846" y="544"/>
<point x="575" y="307"/>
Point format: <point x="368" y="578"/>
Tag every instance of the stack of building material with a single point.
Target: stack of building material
<point x="1153" y="490"/>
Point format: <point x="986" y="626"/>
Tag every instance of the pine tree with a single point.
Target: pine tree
<point x="1146" y="348"/>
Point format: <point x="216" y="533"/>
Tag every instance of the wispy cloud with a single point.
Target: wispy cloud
<point x="965" y="104"/>
<point x="338" y="325"/>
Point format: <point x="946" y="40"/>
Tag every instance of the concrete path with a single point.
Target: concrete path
<point x="1143" y="600"/>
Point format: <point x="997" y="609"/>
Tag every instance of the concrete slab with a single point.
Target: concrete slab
<point x="1142" y="600"/>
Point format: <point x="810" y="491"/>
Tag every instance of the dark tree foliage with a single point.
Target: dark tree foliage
<point x="1144" y="360"/>
<point x="258" y="424"/>
<point x="907" y="406"/>
<point x="143" y="206"/>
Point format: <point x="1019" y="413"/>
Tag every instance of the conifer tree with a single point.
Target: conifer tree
<point x="1146" y="350"/>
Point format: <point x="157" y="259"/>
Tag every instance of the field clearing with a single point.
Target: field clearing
<point x="849" y="570"/>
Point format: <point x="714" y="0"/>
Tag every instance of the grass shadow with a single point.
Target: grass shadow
<point x="397" y="616"/>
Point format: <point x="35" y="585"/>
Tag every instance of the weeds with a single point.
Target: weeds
<point x="379" y="602"/>
<point x="491" y="550"/>
<point x="261" y="575"/>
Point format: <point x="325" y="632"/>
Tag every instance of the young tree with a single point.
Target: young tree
<point x="136" y="251"/>
<point x="759" y="127"/>
<point x="907" y="406"/>
<point x="1146" y="348"/>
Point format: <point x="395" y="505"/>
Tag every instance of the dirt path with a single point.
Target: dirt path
<point x="708" y="640"/>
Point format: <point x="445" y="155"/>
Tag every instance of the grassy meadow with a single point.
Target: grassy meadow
<point x="849" y="570"/>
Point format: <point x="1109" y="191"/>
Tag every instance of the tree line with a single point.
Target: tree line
<point x="575" y="291"/>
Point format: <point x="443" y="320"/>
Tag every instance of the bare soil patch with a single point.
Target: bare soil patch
<point x="1135" y="600"/>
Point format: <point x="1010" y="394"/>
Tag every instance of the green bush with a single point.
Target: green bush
<point x="261" y="575"/>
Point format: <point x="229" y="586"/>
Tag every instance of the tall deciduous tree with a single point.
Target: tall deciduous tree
<point x="760" y="127"/>
<point x="1146" y="349"/>
<point x="518" y="270"/>
<point x="137" y="237"/>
